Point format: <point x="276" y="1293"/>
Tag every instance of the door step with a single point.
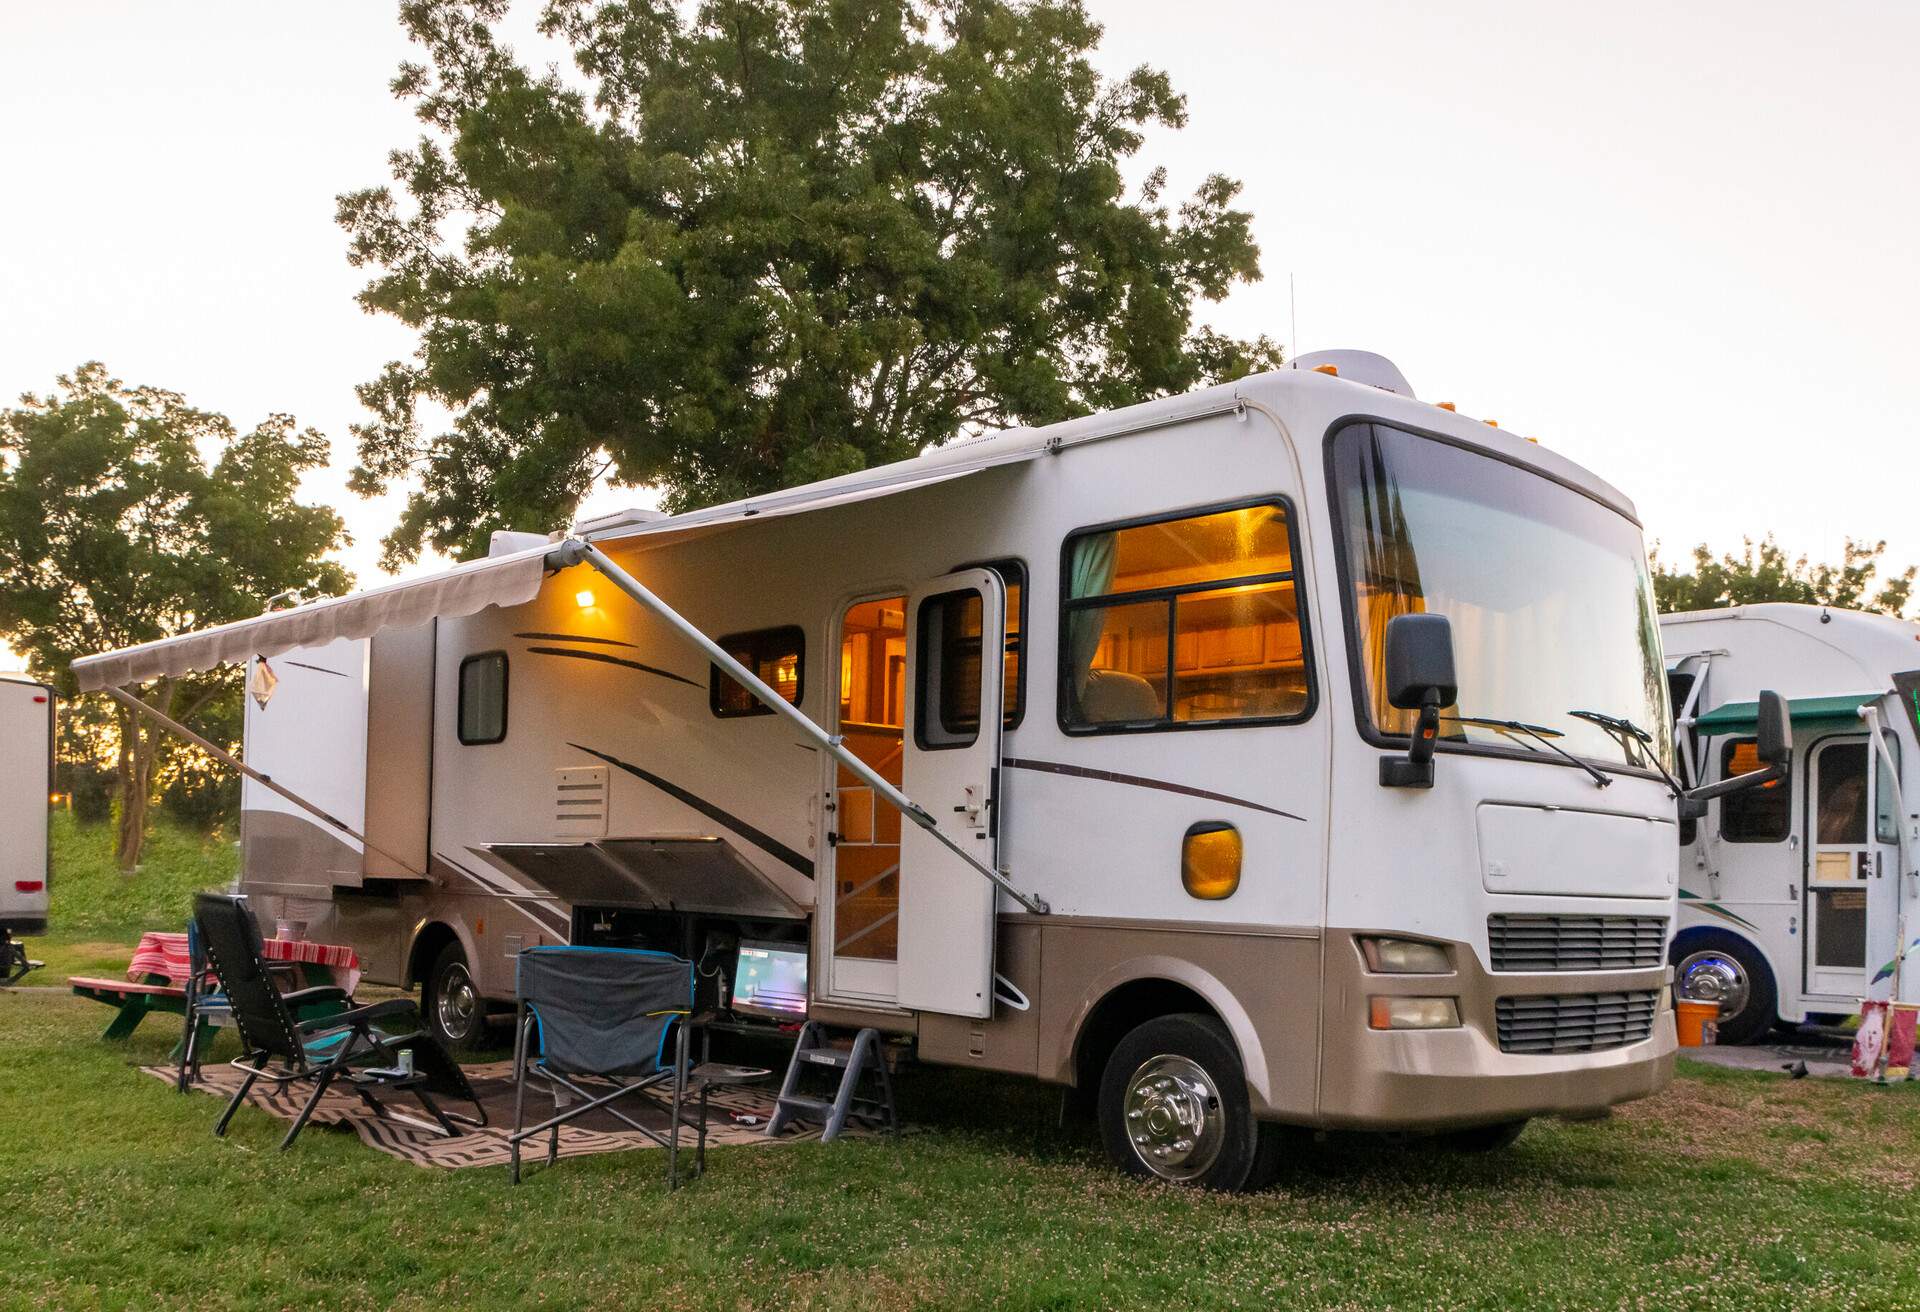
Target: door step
<point x="865" y="1057"/>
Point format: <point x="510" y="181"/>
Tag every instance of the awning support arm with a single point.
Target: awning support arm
<point x="225" y="757"/>
<point x="573" y="551"/>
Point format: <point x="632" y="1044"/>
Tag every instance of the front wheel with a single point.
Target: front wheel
<point x="1174" y="1106"/>
<point x="451" y="1004"/>
<point x="1716" y="966"/>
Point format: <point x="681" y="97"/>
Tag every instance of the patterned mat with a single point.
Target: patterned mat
<point x="487" y="1146"/>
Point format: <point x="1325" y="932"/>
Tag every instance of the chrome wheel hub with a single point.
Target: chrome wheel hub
<point x="1713" y="977"/>
<point x="458" y="1005"/>
<point x="1174" y="1118"/>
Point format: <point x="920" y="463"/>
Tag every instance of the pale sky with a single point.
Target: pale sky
<point x="1674" y="242"/>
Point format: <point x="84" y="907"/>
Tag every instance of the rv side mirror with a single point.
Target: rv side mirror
<point x="1418" y="671"/>
<point x="1774" y="731"/>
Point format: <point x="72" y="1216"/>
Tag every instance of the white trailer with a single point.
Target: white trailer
<point x="1124" y="753"/>
<point x="1793" y="897"/>
<point x="26" y="791"/>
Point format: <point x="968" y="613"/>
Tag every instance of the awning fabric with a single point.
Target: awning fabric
<point x="509" y="580"/>
<point x="1744" y="717"/>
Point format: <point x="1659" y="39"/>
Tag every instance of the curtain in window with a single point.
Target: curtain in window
<point x="1089" y="574"/>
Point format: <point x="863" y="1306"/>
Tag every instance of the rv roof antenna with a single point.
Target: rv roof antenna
<point x="1293" y="321"/>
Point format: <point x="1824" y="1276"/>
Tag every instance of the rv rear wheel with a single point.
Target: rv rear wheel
<point x="1173" y="1106"/>
<point x="1715" y="966"/>
<point x="451" y="1004"/>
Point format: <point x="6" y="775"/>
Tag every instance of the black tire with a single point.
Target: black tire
<point x="460" y="1024"/>
<point x="1482" y="1138"/>
<point x="1179" y="1072"/>
<point x="1754" y="1017"/>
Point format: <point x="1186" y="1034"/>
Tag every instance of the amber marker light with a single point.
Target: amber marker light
<point x="1210" y="860"/>
<point x="1330" y="370"/>
<point x="1446" y="405"/>
<point x="583" y="599"/>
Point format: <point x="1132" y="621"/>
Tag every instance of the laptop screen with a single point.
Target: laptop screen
<point x="770" y="979"/>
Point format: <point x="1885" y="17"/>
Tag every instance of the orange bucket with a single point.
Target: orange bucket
<point x="1696" y="1022"/>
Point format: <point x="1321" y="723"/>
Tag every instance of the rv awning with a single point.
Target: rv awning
<point x="1744" y="717"/>
<point x="868" y="485"/>
<point x="510" y="580"/>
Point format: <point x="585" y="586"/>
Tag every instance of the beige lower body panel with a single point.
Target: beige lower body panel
<point x="1301" y="1023"/>
<point x="1414" y="1079"/>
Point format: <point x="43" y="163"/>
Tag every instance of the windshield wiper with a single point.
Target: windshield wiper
<point x="1539" y="733"/>
<point x="1625" y="731"/>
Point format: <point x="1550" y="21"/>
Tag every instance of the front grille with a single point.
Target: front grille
<point x="1575" y="1022"/>
<point x="1576" y="942"/>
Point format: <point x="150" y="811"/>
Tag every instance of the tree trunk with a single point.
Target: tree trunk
<point x="137" y="749"/>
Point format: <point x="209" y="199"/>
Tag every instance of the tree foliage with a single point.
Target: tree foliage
<point x="115" y="530"/>
<point x="766" y="241"/>
<point x="1764" y="572"/>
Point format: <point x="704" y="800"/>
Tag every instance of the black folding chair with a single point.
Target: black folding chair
<point x="345" y="1047"/>
<point x="604" y="1016"/>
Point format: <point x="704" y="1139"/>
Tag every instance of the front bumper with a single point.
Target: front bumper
<point x="1435" y="1079"/>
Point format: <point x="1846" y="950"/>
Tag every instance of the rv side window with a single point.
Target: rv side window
<point x="1886" y="810"/>
<point x="1182" y="622"/>
<point x="482" y="716"/>
<point x="1759" y="815"/>
<point x="947" y="694"/>
<point x="776" y="656"/>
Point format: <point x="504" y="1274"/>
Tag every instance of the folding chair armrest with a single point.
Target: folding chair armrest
<point x="358" y="1016"/>
<point x="318" y="993"/>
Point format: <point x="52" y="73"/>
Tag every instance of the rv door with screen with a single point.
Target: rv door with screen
<point x="951" y="767"/>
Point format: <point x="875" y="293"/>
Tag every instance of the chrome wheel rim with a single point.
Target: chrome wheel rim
<point x="1174" y="1117"/>
<point x="458" y="1004"/>
<point x="1713" y="977"/>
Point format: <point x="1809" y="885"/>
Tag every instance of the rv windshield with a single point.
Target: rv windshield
<point x="1547" y="591"/>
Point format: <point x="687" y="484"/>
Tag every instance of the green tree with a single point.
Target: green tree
<point x="767" y="241"/>
<point x="1764" y="572"/>
<point x="114" y="530"/>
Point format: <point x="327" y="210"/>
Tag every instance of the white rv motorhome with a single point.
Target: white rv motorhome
<point x="1792" y="896"/>
<point x="26" y="790"/>
<point x="1130" y="753"/>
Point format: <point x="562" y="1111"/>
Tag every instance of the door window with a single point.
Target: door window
<point x="1840" y="803"/>
<point x="947" y="700"/>
<point x="866" y="831"/>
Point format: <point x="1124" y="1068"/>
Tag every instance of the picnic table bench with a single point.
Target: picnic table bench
<point x="157" y="975"/>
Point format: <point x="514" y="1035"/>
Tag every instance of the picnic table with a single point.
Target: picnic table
<point x="158" y="972"/>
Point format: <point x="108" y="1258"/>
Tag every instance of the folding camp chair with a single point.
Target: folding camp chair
<point x="603" y="1015"/>
<point x="344" y="1047"/>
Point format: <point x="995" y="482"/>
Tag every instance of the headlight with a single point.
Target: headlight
<point x="1405" y="956"/>
<point x="1413" y="1013"/>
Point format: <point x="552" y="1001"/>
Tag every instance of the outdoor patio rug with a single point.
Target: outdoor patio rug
<point x="493" y="1081"/>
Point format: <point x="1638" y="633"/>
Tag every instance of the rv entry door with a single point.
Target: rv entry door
<point x="951" y="766"/>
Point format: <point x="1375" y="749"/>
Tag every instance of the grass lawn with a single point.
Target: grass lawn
<point x="1730" y="1190"/>
<point x="96" y="914"/>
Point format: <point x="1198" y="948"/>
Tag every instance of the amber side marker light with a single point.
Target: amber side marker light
<point x="1331" y="370"/>
<point x="1210" y="860"/>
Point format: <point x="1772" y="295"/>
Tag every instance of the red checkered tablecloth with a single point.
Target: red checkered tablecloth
<point x="165" y="954"/>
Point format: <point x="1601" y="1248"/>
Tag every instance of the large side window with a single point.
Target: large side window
<point x="482" y="716"/>
<point x="1759" y="815"/>
<point x="1183" y="621"/>
<point x="776" y="656"/>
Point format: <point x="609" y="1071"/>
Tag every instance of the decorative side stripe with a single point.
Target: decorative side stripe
<point x="531" y="905"/>
<point x="573" y="637"/>
<point x="1715" y="909"/>
<point x="1140" y="781"/>
<point x="318" y="669"/>
<point x="766" y="843"/>
<point x="605" y="659"/>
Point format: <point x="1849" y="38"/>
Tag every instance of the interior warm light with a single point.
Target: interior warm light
<point x="583" y="599"/>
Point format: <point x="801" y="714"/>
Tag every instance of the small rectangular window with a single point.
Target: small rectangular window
<point x="777" y="658"/>
<point x="1184" y="621"/>
<point x="949" y="653"/>
<point x="1886" y="811"/>
<point x="1759" y="815"/>
<point x="482" y="716"/>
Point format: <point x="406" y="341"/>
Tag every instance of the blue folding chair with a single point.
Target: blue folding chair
<point x="596" y="1024"/>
